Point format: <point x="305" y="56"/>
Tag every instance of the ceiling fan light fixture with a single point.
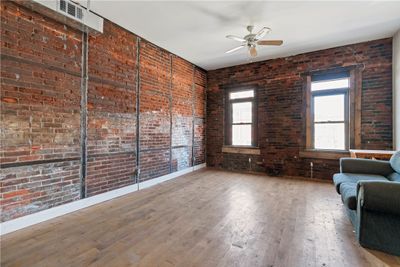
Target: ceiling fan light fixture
<point x="252" y="51"/>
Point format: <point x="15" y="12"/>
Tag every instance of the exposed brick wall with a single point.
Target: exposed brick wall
<point x="377" y="95"/>
<point x="200" y="81"/>
<point x="108" y="172"/>
<point x="111" y="131"/>
<point x="31" y="188"/>
<point x="40" y="102"/>
<point x="41" y="75"/>
<point x="155" y="114"/>
<point x="280" y="106"/>
<point x="242" y="162"/>
<point x="182" y="113"/>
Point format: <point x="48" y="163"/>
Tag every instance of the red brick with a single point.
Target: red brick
<point x="9" y="100"/>
<point x="15" y="193"/>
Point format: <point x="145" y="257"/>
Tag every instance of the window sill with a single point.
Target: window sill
<point x="249" y="150"/>
<point x="324" y="154"/>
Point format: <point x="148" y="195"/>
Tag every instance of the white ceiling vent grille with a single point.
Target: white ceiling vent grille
<point x="65" y="10"/>
<point x="71" y="9"/>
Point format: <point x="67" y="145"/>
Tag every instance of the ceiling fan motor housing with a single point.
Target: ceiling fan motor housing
<point x="250" y="38"/>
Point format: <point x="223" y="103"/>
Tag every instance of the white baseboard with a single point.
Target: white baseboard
<point x="48" y="214"/>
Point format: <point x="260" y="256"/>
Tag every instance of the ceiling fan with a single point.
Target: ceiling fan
<point x="251" y="40"/>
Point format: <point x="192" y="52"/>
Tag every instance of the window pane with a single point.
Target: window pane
<point x="241" y="94"/>
<point x="330" y="84"/>
<point x="329" y="136"/>
<point x="329" y="108"/>
<point x="242" y="112"/>
<point x="241" y="135"/>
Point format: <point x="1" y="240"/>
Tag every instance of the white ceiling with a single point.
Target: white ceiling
<point x="196" y="30"/>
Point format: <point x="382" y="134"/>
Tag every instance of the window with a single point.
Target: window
<point x="240" y="118"/>
<point x="330" y="112"/>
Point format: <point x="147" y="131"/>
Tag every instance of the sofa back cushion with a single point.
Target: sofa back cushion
<point x="395" y="162"/>
<point x="367" y="166"/>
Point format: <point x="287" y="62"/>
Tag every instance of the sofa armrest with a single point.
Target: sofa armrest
<point x="366" y="166"/>
<point x="379" y="196"/>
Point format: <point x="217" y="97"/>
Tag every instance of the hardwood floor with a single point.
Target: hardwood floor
<point x="206" y="218"/>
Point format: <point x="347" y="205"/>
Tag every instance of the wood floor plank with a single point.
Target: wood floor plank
<point x="206" y="218"/>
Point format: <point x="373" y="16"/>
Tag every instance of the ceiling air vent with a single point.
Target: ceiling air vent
<point x="71" y="9"/>
<point x="67" y="12"/>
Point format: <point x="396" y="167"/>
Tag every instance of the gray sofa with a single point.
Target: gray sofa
<point x="370" y="191"/>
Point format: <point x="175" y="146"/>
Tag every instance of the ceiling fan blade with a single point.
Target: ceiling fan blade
<point x="270" y="42"/>
<point x="253" y="51"/>
<point x="234" y="49"/>
<point x="236" y="38"/>
<point x="262" y="33"/>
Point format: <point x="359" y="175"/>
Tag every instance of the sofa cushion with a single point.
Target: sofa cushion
<point x="395" y="161"/>
<point x="340" y="178"/>
<point x="348" y="192"/>
<point x="394" y="177"/>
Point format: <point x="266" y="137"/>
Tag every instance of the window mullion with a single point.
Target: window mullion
<point x="331" y="122"/>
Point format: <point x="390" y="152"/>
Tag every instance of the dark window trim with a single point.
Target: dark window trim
<point x="329" y="75"/>
<point x="331" y="72"/>
<point x="354" y="103"/>
<point x="228" y="114"/>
